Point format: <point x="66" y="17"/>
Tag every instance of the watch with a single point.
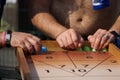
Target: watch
<point x="8" y="38"/>
<point x="116" y="40"/>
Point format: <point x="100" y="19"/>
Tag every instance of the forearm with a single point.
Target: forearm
<point x="116" y="26"/>
<point x="47" y="23"/>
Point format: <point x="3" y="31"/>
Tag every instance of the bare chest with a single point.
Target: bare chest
<point x="80" y="14"/>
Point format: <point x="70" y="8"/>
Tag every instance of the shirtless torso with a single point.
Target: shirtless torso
<point x="80" y="15"/>
<point x="71" y="21"/>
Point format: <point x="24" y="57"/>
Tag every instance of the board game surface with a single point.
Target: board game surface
<point x="74" y="65"/>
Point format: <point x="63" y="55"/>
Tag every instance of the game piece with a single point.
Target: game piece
<point x="93" y="50"/>
<point x="87" y="48"/>
<point x="79" y="49"/>
<point x="104" y="50"/>
<point x="43" y="49"/>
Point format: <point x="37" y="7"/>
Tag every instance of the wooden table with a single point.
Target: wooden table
<point x="60" y="64"/>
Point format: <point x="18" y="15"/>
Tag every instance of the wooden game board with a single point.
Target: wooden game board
<point x="58" y="64"/>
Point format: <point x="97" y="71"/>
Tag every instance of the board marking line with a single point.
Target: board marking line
<point x="71" y="60"/>
<point x="97" y="65"/>
<point x="58" y="68"/>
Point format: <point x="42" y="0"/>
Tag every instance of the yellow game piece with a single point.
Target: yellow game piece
<point x="93" y="50"/>
<point x="105" y="50"/>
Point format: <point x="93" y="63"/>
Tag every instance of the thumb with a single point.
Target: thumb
<point x="90" y="38"/>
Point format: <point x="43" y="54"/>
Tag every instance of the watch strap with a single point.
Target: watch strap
<point x="116" y="38"/>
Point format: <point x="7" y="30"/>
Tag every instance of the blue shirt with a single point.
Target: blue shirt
<point x="2" y="3"/>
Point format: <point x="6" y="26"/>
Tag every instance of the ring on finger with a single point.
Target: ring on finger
<point x="106" y="36"/>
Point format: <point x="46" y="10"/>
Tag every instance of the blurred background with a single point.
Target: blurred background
<point x="15" y="17"/>
<point x="10" y="18"/>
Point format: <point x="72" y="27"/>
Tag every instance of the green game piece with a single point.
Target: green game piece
<point x="87" y="48"/>
<point x="105" y="50"/>
<point x="79" y="49"/>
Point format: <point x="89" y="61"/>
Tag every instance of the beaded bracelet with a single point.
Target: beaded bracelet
<point x="3" y="39"/>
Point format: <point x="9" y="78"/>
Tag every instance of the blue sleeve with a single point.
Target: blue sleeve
<point x="2" y="3"/>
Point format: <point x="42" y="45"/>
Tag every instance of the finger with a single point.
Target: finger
<point x="70" y="42"/>
<point x="60" y="43"/>
<point x="97" y="38"/>
<point x="74" y="37"/>
<point x="38" y="41"/>
<point x="28" y="46"/>
<point x="36" y="38"/>
<point x="108" y="41"/>
<point x="91" y="39"/>
<point x="97" y="41"/>
<point x="36" y="44"/>
<point x="94" y="38"/>
<point x="104" y="39"/>
<point x="65" y="43"/>
<point x="22" y="45"/>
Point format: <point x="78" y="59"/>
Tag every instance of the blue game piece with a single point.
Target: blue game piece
<point x="43" y="49"/>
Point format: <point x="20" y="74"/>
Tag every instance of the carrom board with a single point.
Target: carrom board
<point x="74" y="65"/>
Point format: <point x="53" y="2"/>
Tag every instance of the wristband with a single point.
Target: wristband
<point x="8" y="38"/>
<point x="116" y="40"/>
<point x="3" y="39"/>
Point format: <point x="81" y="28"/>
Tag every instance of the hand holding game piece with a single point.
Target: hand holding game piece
<point x="100" y="39"/>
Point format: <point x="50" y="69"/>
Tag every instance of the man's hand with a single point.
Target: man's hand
<point x="69" y="39"/>
<point x="26" y="41"/>
<point x="100" y="39"/>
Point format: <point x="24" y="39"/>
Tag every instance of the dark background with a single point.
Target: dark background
<point x="16" y="18"/>
<point x="24" y="22"/>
